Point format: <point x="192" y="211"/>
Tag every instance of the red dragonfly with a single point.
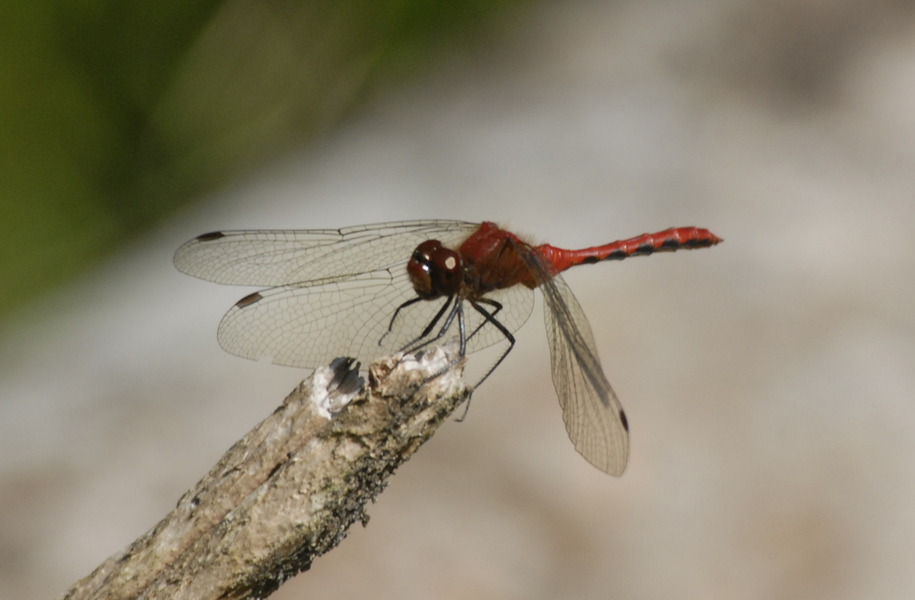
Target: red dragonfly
<point x="374" y="290"/>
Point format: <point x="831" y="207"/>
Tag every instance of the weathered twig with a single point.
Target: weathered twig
<point x="286" y="492"/>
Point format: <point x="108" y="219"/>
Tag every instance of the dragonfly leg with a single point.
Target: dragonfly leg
<point x="463" y="333"/>
<point x="425" y="332"/>
<point x="434" y="320"/>
<point x="415" y="342"/>
<point x="466" y="408"/>
<point x="498" y="306"/>
<point x="397" y="312"/>
<point x="490" y="317"/>
<point x="457" y="310"/>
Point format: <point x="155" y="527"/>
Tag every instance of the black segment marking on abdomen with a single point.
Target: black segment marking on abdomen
<point x="616" y="255"/>
<point x="671" y="243"/>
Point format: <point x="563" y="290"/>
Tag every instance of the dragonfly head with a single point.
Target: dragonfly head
<point x="435" y="271"/>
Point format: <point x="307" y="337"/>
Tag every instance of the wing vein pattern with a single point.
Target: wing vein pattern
<point x="592" y="413"/>
<point x="334" y="291"/>
<point x="286" y="257"/>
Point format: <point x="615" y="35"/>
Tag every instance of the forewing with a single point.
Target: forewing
<point x="286" y="257"/>
<point x="591" y="411"/>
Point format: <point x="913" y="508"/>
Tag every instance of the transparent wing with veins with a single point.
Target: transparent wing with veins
<point x="336" y="291"/>
<point x="308" y="326"/>
<point x="285" y="257"/>
<point x="594" y="418"/>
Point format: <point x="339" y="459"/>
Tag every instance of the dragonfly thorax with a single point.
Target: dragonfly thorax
<point x="435" y="271"/>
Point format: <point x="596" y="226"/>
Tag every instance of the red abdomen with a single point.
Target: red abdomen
<point x="669" y="240"/>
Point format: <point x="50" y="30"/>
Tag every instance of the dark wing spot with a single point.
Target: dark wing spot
<point x="624" y="421"/>
<point x="209" y="237"/>
<point x="249" y="300"/>
<point x="589" y="260"/>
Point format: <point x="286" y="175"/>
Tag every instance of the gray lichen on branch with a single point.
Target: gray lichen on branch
<point x="287" y="492"/>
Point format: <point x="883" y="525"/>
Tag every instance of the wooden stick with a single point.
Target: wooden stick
<point x="287" y="492"/>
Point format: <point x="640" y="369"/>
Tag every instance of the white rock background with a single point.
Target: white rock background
<point x="769" y="382"/>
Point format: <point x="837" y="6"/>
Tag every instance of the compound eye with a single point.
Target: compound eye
<point x="448" y="271"/>
<point x="424" y="251"/>
<point x="422" y="267"/>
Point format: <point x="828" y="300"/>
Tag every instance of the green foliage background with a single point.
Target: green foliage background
<point x="115" y="112"/>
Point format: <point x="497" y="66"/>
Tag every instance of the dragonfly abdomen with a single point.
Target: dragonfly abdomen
<point x="669" y="240"/>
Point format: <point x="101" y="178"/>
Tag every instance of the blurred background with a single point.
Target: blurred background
<point x="768" y="381"/>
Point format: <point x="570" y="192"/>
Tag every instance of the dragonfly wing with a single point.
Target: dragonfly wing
<point x="308" y="326"/>
<point x="594" y="418"/>
<point x="287" y="257"/>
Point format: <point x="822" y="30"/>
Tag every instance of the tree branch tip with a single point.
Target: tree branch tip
<point x="290" y="488"/>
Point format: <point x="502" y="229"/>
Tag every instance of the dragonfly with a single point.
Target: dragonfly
<point x="374" y="290"/>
